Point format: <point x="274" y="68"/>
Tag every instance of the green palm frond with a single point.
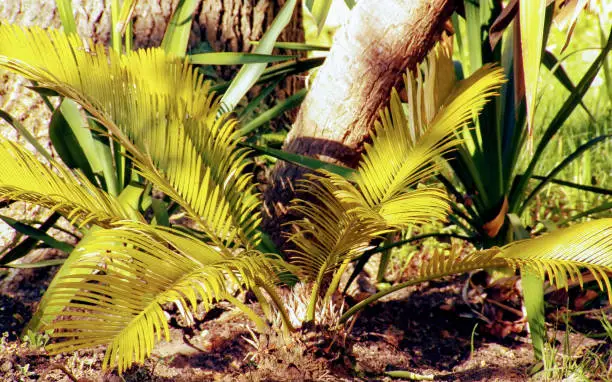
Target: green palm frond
<point x="160" y="109"/>
<point x="330" y="232"/>
<point x="559" y="255"/>
<point x="392" y="163"/>
<point x="121" y="278"/>
<point x="346" y="216"/>
<point x="23" y="177"/>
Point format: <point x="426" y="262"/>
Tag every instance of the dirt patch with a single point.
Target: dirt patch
<point x="428" y="329"/>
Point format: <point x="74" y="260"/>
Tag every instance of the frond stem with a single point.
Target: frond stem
<point x="279" y="304"/>
<point x="261" y="325"/>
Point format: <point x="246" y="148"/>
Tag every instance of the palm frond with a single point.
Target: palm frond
<point x="346" y="217"/>
<point x="160" y="109"/>
<point x="559" y="255"/>
<point x="393" y="163"/>
<point x="330" y="232"/>
<point x="23" y="177"/>
<point x="122" y="277"/>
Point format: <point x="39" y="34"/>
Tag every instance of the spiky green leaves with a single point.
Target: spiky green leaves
<point x="159" y="109"/>
<point x="384" y="196"/>
<point x="122" y="276"/>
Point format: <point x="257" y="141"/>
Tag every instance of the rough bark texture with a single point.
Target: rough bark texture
<point x="226" y="24"/>
<point x="380" y="40"/>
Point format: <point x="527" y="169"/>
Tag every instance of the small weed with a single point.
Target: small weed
<point x="36" y="340"/>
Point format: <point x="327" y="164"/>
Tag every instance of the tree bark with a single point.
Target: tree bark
<point x="370" y="53"/>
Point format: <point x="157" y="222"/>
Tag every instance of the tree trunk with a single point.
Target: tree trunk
<point x="370" y="53"/>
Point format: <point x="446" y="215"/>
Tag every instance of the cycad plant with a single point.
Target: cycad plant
<point x="156" y="106"/>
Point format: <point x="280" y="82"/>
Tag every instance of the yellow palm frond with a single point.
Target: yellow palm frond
<point x="23" y="177"/>
<point x="346" y="216"/>
<point x="160" y="109"/>
<point x="559" y="255"/>
<point x="330" y="232"/>
<point x="392" y="163"/>
<point x="122" y="276"/>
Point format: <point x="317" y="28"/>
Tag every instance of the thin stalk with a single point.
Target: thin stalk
<point x="279" y="305"/>
<point x="261" y="325"/>
<point x="418" y="237"/>
<point x="312" y="304"/>
<point x="335" y="282"/>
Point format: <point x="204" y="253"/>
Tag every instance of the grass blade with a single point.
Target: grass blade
<point x="277" y="110"/>
<point x="177" y="33"/>
<point x="235" y="58"/>
<point x="302" y="160"/>
<point x="250" y="73"/>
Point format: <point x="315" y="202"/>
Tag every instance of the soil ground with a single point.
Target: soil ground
<point x="436" y="329"/>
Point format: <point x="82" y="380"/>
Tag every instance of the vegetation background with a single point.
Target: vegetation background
<point x="592" y="168"/>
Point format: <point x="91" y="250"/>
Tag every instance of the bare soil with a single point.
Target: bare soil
<point x="435" y="329"/>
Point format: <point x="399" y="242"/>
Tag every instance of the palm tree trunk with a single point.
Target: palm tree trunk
<point x="370" y="53"/>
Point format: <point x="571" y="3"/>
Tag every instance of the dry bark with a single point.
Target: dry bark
<point x="380" y="40"/>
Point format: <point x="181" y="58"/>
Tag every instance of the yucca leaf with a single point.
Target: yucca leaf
<point x="606" y="206"/>
<point x="564" y="163"/>
<point x="279" y="71"/>
<point x="559" y="119"/>
<point x="296" y="46"/>
<point x="61" y="135"/>
<point x="532" y="17"/>
<point x="34" y="233"/>
<point x="302" y="160"/>
<point x="140" y="268"/>
<point x="177" y="33"/>
<point x="64" y="8"/>
<point x="23" y="177"/>
<point x="38" y="264"/>
<point x="583" y="187"/>
<point x="550" y="61"/>
<point x="289" y="103"/>
<point x="558" y="255"/>
<point x="26" y="246"/>
<point x="319" y="10"/>
<point x="250" y="73"/>
<point x="23" y="131"/>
